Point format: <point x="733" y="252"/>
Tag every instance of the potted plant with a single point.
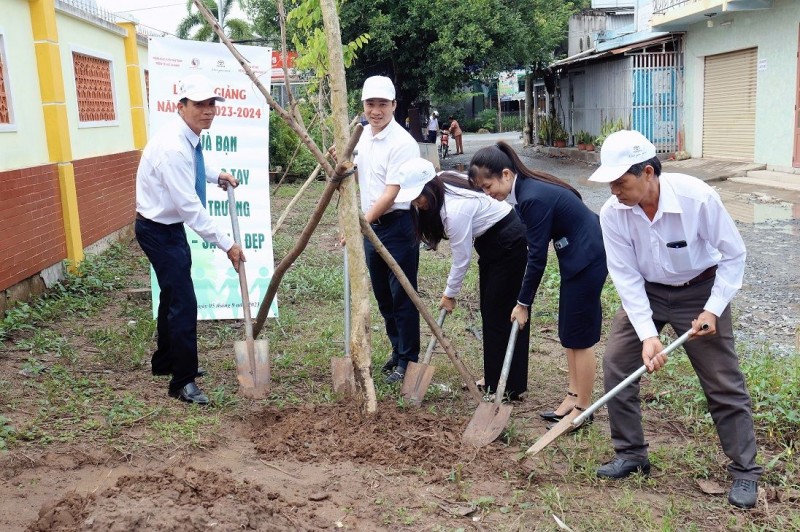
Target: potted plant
<point x="560" y="136"/>
<point x="589" y="140"/>
<point x="545" y="132"/>
<point x="580" y="140"/>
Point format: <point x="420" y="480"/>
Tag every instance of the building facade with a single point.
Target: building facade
<point x="741" y="76"/>
<point x="73" y="122"/>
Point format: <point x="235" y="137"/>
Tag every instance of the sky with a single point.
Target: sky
<point x="161" y="15"/>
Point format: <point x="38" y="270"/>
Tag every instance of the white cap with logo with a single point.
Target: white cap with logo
<point x="620" y="151"/>
<point x="412" y="176"/>
<point x="197" y="88"/>
<point x="379" y="87"/>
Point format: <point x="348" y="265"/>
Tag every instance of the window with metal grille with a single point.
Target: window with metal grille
<point x="5" y="105"/>
<point x="147" y="85"/>
<point x="94" y="88"/>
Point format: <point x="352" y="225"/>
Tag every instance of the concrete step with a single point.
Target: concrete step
<point x="773" y="175"/>
<point x="785" y="184"/>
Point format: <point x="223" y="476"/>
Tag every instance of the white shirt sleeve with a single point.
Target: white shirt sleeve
<point x="177" y="174"/>
<point x="458" y="227"/>
<point x="718" y="229"/>
<point x="622" y="266"/>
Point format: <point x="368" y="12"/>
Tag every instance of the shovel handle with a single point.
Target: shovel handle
<point x="429" y="352"/>
<point x="346" y="304"/>
<point x="501" y="384"/>
<point x="632" y="377"/>
<point x="248" y="322"/>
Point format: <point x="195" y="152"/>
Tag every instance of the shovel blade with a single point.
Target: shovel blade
<point x="254" y="383"/>
<point x="344" y="382"/>
<point x="487" y="424"/>
<point x="415" y="384"/>
<point x="564" y="426"/>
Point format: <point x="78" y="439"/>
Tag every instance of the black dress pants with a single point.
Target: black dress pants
<point x="168" y="251"/>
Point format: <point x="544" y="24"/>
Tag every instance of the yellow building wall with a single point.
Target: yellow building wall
<point x="90" y="140"/>
<point x="22" y="144"/>
<point x="142" y="49"/>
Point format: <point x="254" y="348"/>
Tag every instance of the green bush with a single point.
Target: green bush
<point x="283" y="143"/>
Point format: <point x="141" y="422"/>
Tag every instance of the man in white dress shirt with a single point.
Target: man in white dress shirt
<point x="170" y="192"/>
<point x="383" y="147"/>
<point x="676" y="258"/>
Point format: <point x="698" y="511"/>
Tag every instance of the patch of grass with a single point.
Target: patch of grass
<point x="7" y="433"/>
<point x="124" y="347"/>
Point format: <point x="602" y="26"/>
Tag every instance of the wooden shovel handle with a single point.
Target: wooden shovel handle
<point x="248" y="322"/>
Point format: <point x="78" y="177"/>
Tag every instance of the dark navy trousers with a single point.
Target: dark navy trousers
<point x="396" y="233"/>
<point x="168" y="251"/>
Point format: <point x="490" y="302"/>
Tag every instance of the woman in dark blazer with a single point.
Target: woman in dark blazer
<point x="553" y="211"/>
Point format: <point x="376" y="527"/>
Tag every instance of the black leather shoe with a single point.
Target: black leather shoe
<point x="190" y="394"/>
<point x="552" y="416"/>
<point x="396" y="376"/>
<point x="621" y="468"/>
<point x="743" y="493"/>
<point x="201" y="372"/>
<point x="389" y="365"/>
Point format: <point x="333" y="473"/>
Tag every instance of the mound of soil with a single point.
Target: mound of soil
<point x="392" y="437"/>
<point x="178" y="499"/>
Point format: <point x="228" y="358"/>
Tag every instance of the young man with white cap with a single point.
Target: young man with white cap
<point x="676" y="258"/>
<point x="383" y="147"/>
<point x="171" y="192"/>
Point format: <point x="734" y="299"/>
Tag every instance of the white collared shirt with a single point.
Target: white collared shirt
<point x="379" y="156"/>
<point x="511" y="199"/>
<point x="165" y="179"/>
<point x="690" y="212"/>
<point x="466" y="216"/>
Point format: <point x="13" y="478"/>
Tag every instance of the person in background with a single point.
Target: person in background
<point x="444" y="206"/>
<point x="382" y="148"/>
<point x="433" y="127"/>
<point x="170" y="192"/>
<point x="676" y="258"/>
<point x="552" y="210"/>
<point x="455" y="131"/>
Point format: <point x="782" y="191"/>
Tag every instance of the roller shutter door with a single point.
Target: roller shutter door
<point x="729" y="105"/>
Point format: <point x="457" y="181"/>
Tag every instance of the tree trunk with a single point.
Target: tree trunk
<point x="530" y="113"/>
<point x="360" y="338"/>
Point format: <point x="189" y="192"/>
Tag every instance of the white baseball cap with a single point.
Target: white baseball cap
<point x="620" y="151"/>
<point x="378" y="87"/>
<point x="197" y="88"/>
<point x="412" y="176"/>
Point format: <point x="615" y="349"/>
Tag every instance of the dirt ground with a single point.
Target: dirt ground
<point x="301" y="463"/>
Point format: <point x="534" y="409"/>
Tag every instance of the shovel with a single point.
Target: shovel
<point x="490" y="419"/>
<point x="418" y="376"/>
<point x="252" y="356"/>
<point x="342" y="367"/>
<point x="570" y="422"/>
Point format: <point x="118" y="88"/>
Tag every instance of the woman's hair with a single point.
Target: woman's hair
<point x="428" y="224"/>
<point x="490" y="161"/>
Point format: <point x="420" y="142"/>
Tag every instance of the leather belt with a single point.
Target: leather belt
<point x="705" y="275"/>
<point x="140" y="217"/>
<point x="388" y="217"/>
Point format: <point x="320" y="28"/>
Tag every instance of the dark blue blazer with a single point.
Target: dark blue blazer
<point x="550" y="213"/>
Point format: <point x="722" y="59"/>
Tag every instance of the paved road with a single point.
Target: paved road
<point x="767" y="308"/>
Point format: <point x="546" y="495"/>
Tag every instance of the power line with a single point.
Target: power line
<point x="148" y="8"/>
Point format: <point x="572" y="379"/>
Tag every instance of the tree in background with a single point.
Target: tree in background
<point x="194" y="27"/>
<point x="432" y="49"/>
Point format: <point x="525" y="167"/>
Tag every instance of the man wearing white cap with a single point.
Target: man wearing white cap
<point x="676" y="258"/>
<point x="383" y="147"/>
<point x="171" y="192"/>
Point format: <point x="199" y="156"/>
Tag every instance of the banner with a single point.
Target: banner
<point x="237" y="142"/>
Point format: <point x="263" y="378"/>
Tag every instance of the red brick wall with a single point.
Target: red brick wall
<point x="106" y="188"/>
<point x="31" y="223"/>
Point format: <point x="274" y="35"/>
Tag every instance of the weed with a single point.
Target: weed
<point x="7" y="433"/>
